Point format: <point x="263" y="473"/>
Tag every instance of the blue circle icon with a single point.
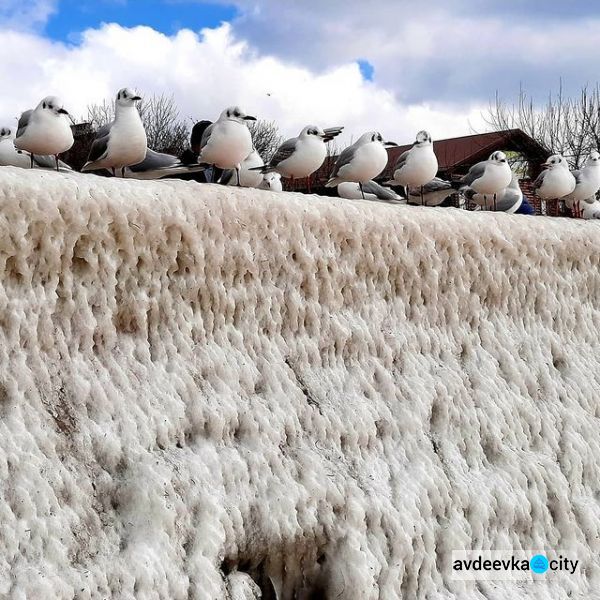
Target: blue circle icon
<point x="538" y="563"/>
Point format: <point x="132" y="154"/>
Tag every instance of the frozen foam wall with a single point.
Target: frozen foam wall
<point x="218" y="393"/>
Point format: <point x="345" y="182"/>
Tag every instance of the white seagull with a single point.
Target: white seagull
<point x="556" y="180"/>
<point x="417" y="166"/>
<point x="489" y="177"/>
<point x="12" y="157"/>
<point x="433" y="193"/>
<point x="507" y="200"/>
<point x="121" y="143"/>
<point x="371" y="189"/>
<point x="45" y="130"/>
<point x="362" y="161"/>
<point x="249" y="176"/>
<point x="157" y="165"/>
<point x="587" y="184"/>
<point x="271" y="181"/>
<point x="227" y="142"/>
<point x="301" y="156"/>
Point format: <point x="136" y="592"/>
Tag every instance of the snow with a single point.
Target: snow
<point x="202" y="384"/>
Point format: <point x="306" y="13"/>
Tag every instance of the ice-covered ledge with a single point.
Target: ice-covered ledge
<point x="200" y="382"/>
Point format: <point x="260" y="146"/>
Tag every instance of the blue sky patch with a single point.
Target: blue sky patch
<point x="166" y="16"/>
<point x="366" y="69"/>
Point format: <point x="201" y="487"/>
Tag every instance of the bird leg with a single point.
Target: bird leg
<point x="422" y="201"/>
<point x="123" y="172"/>
<point x="56" y="159"/>
<point x="361" y="190"/>
<point x="293" y="184"/>
<point x="494" y="202"/>
<point x="113" y="171"/>
<point x="308" y="183"/>
<point x="31" y="158"/>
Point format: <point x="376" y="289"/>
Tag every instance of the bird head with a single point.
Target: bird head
<point x="235" y="113"/>
<point x="593" y="158"/>
<point x="52" y="105"/>
<point x="313" y="131"/>
<point x="555" y="161"/>
<point x="126" y="97"/>
<point x="498" y="157"/>
<point x="423" y="138"/>
<point x="373" y="137"/>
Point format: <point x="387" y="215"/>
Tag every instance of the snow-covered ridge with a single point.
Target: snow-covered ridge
<point x="200" y="382"/>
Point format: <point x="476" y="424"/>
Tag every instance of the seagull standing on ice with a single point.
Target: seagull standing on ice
<point x="249" y="176"/>
<point x="556" y="180"/>
<point x="489" y="177"/>
<point x="271" y="181"/>
<point x="227" y="142"/>
<point x="417" y="166"/>
<point x="507" y="200"/>
<point x="12" y="157"/>
<point x="45" y="130"/>
<point x="371" y="190"/>
<point x="301" y="156"/>
<point x="121" y="143"/>
<point x="362" y="161"/>
<point x="587" y="184"/>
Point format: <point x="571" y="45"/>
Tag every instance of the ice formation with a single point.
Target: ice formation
<point x="219" y="393"/>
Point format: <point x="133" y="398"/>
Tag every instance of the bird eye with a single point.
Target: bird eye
<point x="236" y="113"/>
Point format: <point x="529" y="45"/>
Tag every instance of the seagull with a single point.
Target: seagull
<point x="587" y="184"/>
<point x="417" y="166"/>
<point x="249" y="176"/>
<point x="489" y="177"/>
<point x="433" y="193"/>
<point x="556" y="180"/>
<point x="157" y="165"/>
<point x="371" y="190"/>
<point x="121" y="143"/>
<point x="508" y="200"/>
<point x="227" y="142"/>
<point x="271" y="181"/>
<point x="45" y="130"/>
<point x="362" y="161"/>
<point x="301" y="156"/>
<point x="12" y="157"/>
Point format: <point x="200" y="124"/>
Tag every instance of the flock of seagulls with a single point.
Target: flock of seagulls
<point x="226" y="147"/>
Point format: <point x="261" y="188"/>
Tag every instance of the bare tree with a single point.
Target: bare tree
<point x="165" y="130"/>
<point x="567" y="126"/>
<point x="265" y="138"/>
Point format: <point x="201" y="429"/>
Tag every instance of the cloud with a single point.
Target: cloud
<point x="209" y="71"/>
<point x="26" y="15"/>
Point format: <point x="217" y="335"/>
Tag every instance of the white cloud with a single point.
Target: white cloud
<point x="207" y="72"/>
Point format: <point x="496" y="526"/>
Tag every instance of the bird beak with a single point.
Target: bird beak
<point x="136" y="98"/>
<point x="249" y="118"/>
<point x="62" y="111"/>
<point x="390" y="144"/>
<point x="545" y="165"/>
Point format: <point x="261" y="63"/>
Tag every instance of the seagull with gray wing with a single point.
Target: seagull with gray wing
<point x="45" y="130"/>
<point x="301" y="156"/>
<point x="10" y="156"/>
<point x="433" y="193"/>
<point x="227" y="142"/>
<point x="371" y="190"/>
<point x="587" y="184"/>
<point x="555" y="181"/>
<point x="489" y="177"/>
<point x="158" y="165"/>
<point x="121" y="143"/>
<point x="271" y="181"/>
<point x="417" y="166"/>
<point x="508" y="200"/>
<point x="362" y="161"/>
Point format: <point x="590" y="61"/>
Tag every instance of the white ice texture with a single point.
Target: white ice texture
<point x="218" y="393"/>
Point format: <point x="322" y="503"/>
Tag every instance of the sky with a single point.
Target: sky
<point x="394" y="66"/>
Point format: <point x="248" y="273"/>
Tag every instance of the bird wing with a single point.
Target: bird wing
<point x="23" y="122"/>
<point x="284" y="152"/>
<point x="475" y="172"/>
<point x="154" y="161"/>
<point x="436" y="185"/>
<point x="331" y="132"/>
<point x="540" y="180"/>
<point x="206" y="136"/>
<point x="49" y="162"/>
<point x="227" y="176"/>
<point x="372" y="187"/>
<point x="401" y="160"/>
<point x="100" y="144"/>
<point x="344" y="158"/>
